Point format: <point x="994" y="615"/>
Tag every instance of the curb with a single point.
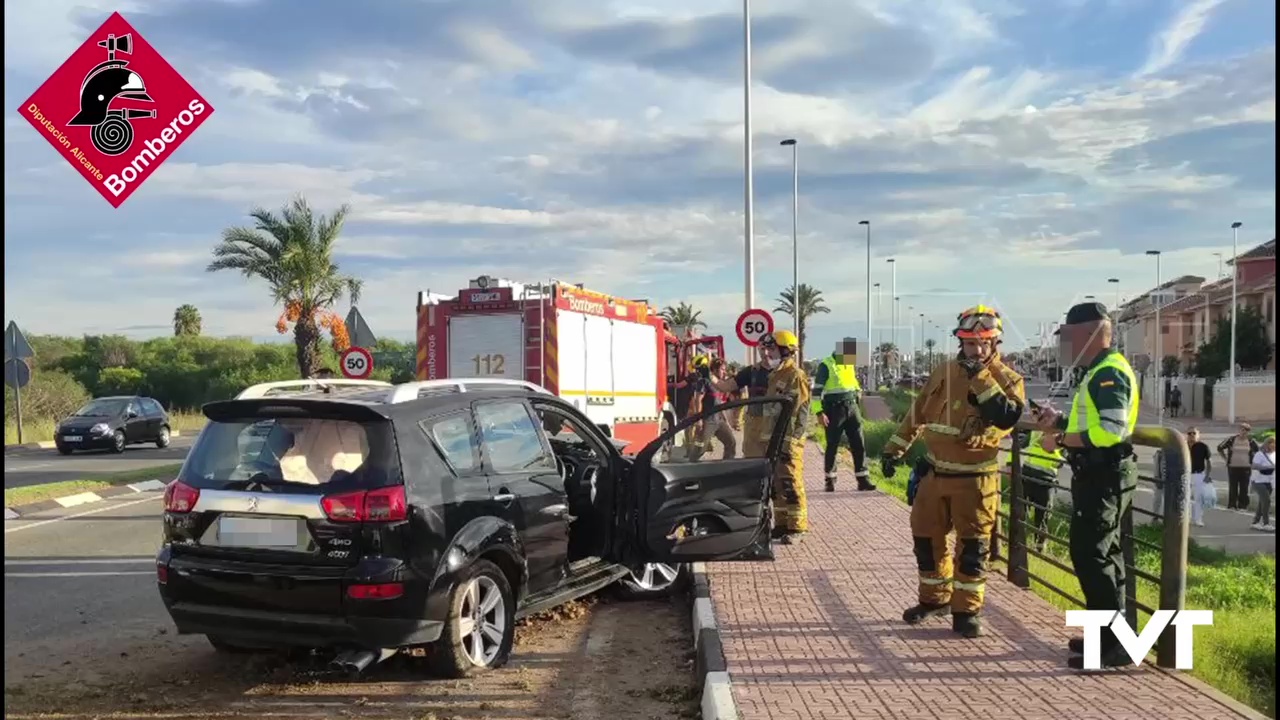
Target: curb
<point x="84" y="498"/>
<point x="48" y="444"/>
<point x="709" y="663"/>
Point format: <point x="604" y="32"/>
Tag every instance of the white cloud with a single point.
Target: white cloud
<point x="1177" y="36"/>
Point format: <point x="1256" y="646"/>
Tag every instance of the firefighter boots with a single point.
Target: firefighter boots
<point x="919" y="613"/>
<point x="967" y="624"/>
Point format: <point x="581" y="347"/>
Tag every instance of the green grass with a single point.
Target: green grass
<point x="1236" y="654"/>
<point x="41" y="429"/>
<point x="35" y="493"/>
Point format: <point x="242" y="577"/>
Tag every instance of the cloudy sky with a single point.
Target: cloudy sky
<point x="1014" y="151"/>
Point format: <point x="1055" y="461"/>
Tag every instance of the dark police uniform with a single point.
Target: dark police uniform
<point x="1104" y="477"/>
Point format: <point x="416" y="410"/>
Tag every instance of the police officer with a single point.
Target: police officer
<point x="1041" y="459"/>
<point x="1096" y="436"/>
<point x="839" y="414"/>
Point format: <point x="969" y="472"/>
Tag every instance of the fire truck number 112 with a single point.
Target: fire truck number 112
<point x="491" y="364"/>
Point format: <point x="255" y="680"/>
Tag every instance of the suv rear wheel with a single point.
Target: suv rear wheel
<point x="654" y="580"/>
<point x="481" y="627"/>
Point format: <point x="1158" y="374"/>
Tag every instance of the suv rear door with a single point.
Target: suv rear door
<point x="271" y="511"/>
<point x="705" y="510"/>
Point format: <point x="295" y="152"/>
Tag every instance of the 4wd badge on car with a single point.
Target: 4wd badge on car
<point x="116" y="109"/>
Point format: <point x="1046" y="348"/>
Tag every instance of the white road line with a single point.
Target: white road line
<point x="83" y="498"/>
<point x="23" y="468"/>
<point x="78" y="515"/>
<point x="79" y="574"/>
<point x="95" y="561"/>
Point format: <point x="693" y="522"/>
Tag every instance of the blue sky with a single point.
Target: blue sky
<point x="1017" y="152"/>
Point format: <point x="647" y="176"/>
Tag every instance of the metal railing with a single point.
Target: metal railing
<point x="1173" y="482"/>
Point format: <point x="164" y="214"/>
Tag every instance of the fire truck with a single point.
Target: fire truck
<point x="614" y="358"/>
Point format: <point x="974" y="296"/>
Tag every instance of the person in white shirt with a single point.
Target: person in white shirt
<point x="1263" y="482"/>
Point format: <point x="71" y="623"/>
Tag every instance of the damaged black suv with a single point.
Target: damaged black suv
<point x="366" y="518"/>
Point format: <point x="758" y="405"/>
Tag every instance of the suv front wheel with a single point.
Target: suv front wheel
<point x="481" y="627"/>
<point x="654" y="580"/>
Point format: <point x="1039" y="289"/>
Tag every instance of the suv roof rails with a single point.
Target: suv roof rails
<point x="413" y="390"/>
<point x="281" y="387"/>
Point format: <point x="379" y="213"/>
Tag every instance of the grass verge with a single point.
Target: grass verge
<point x="41" y="429"/>
<point x="35" y="493"/>
<point x="1236" y="654"/>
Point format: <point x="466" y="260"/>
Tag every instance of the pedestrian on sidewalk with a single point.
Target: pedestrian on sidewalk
<point x="839" y="413"/>
<point x="1264" y="481"/>
<point x="1175" y="401"/>
<point x="1239" y="450"/>
<point x="967" y="407"/>
<point x="1203" y="494"/>
<point x="1104" y="477"/>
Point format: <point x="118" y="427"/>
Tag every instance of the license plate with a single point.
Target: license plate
<point x="258" y="532"/>
<point x="73" y="438"/>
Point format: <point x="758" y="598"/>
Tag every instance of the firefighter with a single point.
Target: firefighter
<point x="966" y="408"/>
<point x="787" y="378"/>
<point x="1104" y="472"/>
<point x="699" y="369"/>
<point x="839" y="414"/>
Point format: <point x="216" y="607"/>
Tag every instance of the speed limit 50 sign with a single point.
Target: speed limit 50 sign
<point x="753" y="325"/>
<point x="357" y="363"/>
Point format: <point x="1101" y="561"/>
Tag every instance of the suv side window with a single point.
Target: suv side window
<point x="454" y="438"/>
<point x="510" y="438"/>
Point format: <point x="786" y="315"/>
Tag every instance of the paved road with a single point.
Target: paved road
<point x="34" y="467"/>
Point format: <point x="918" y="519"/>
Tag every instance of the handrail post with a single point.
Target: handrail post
<point x="1017" y="516"/>
<point x="1130" y="561"/>
<point x="1176" y="459"/>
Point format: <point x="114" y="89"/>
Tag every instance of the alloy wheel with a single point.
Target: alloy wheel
<point x="482" y="621"/>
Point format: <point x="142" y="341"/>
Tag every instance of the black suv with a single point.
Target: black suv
<point x="367" y="518"/>
<point x="113" y="423"/>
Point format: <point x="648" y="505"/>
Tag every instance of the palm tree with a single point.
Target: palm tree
<point x="887" y="353"/>
<point x="929" y="345"/>
<point x="811" y="303"/>
<point x="293" y="252"/>
<point x="683" y="318"/>
<point x="186" y="321"/>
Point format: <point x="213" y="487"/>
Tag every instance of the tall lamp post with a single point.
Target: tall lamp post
<point x="876" y="383"/>
<point x="1116" y="311"/>
<point x="869" y="350"/>
<point x="893" y="310"/>
<point x="1219" y="256"/>
<point x="747" y="189"/>
<point x="1235" y="281"/>
<point x="1158" y="355"/>
<point x="924" y="341"/>
<point x="897" y="313"/>
<point x="795" y="232"/>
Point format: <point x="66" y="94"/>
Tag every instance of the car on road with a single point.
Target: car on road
<point x="114" y="423"/>
<point x="366" y="519"/>
<point x="1060" y="389"/>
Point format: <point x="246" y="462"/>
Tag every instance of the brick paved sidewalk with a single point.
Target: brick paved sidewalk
<point x="819" y="634"/>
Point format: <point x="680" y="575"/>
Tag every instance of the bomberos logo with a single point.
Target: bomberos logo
<point x="114" y="89"/>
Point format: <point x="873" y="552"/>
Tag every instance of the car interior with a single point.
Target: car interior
<point x="582" y="463"/>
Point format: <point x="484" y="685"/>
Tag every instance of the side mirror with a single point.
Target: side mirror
<point x="132" y="414"/>
<point x="604" y="428"/>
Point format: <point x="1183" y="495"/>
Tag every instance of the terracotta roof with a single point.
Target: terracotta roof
<point x="1265" y="250"/>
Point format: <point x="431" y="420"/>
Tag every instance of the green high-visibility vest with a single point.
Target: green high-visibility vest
<point x="1107" y="428"/>
<point x="840" y="378"/>
<point x="1036" y="456"/>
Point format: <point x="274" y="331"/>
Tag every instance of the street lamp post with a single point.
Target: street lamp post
<point x="1235" y="281"/>
<point x="897" y="313"/>
<point x="1158" y="362"/>
<point x="924" y="341"/>
<point x="876" y="383"/>
<point x="869" y="350"/>
<point x="747" y="189"/>
<point x="911" y="342"/>
<point x="795" y="232"/>
<point x="893" y="305"/>
<point x="1116" y="312"/>
<point x="1219" y="256"/>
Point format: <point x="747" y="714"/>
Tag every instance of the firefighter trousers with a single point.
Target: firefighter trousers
<point x="966" y="504"/>
<point x="790" y="507"/>
<point x="752" y="444"/>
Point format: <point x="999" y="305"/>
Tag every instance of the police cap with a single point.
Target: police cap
<point x="1086" y="312"/>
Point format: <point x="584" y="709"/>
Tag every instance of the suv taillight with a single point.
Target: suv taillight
<point x="180" y="497"/>
<point x="386" y="504"/>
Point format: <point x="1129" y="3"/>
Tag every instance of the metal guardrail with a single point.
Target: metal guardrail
<point x="1175" y="484"/>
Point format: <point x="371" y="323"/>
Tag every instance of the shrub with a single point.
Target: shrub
<point x="52" y="394"/>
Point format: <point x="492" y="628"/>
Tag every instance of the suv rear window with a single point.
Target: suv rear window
<point x="297" y="455"/>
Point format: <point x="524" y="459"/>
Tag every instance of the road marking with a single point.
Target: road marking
<point x="94" y="561"/>
<point x="148" y="486"/>
<point x="77" y="499"/>
<point x="79" y="515"/>
<point x="79" y="574"/>
<point x="24" y="468"/>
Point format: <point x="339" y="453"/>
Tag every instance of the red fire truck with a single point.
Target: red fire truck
<point x="614" y="358"/>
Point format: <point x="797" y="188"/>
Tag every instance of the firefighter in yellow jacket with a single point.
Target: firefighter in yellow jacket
<point x="965" y="409"/>
<point x="787" y="378"/>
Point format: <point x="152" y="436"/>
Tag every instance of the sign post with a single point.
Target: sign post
<point x="753" y="325"/>
<point x="17" y="373"/>
<point x="356" y="362"/>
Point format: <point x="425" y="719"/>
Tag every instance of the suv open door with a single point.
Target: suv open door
<point x="709" y="509"/>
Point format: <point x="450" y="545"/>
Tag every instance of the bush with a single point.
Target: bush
<point x="51" y="394"/>
<point x="119" y="381"/>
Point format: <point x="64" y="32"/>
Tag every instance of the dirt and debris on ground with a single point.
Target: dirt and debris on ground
<point x="590" y="659"/>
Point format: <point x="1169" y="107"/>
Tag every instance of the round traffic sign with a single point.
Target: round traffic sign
<point x="357" y="363"/>
<point x="753" y="325"/>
